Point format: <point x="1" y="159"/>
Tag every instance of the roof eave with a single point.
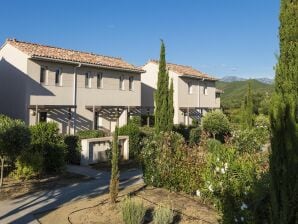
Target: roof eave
<point x="86" y="64"/>
<point x="197" y="77"/>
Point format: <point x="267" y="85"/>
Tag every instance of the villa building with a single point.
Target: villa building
<point x="78" y="90"/>
<point x="194" y="92"/>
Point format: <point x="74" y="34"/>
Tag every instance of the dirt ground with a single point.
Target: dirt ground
<point x="99" y="210"/>
<point x="13" y="188"/>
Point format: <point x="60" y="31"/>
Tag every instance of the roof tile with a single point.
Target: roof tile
<point x="186" y="70"/>
<point x="49" y="52"/>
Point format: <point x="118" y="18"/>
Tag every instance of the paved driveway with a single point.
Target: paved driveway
<point x="22" y="210"/>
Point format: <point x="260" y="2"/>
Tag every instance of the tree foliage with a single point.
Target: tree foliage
<point x="283" y="114"/>
<point x="162" y="95"/>
<point x="14" y="138"/>
<point x="248" y="109"/>
<point x="216" y="123"/>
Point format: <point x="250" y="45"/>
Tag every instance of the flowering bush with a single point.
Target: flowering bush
<point x="167" y="162"/>
<point x="251" y="140"/>
<point x="229" y="179"/>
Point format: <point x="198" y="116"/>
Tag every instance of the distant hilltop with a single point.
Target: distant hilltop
<point x="237" y="79"/>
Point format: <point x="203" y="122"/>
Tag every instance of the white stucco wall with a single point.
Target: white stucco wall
<point x="20" y="87"/>
<point x="182" y="98"/>
<point x="13" y="80"/>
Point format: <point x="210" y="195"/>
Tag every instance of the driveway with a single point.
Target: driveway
<point x="22" y="210"/>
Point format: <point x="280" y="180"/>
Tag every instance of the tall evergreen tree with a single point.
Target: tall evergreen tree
<point x="161" y="94"/>
<point x="284" y="142"/>
<point x="114" y="182"/>
<point x="171" y="106"/>
<point x="247" y="109"/>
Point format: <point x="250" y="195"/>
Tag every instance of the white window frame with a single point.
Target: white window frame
<point x="99" y="80"/>
<point x="131" y="83"/>
<point x="88" y="80"/>
<point x="205" y="89"/>
<point x="45" y="68"/>
<point x="121" y="83"/>
<point x="59" y="83"/>
<point x="190" y="88"/>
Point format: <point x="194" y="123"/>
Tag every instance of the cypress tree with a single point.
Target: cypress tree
<point x="161" y="94"/>
<point x="171" y="107"/>
<point x="247" y="109"/>
<point x="284" y="141"/>
<point x="114" y="182"/>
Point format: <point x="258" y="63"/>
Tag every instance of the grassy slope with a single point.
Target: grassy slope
<point x="234" y="92"/>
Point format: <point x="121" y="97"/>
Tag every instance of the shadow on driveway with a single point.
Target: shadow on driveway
<point x="22" y="209"/>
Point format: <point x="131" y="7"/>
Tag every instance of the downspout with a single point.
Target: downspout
<point x="74" y="97"/>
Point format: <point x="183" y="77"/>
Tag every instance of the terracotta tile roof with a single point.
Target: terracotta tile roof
<point x="55" y="53"/>
<point x="219" y="91"/>
<point x="186" y="70"/>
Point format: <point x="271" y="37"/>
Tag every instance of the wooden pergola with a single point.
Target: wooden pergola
<point x="195" y="113"/>
<point x="46" y="108"/>
<point x="113" y="113"/>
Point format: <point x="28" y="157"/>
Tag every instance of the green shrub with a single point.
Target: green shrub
<point x="183" y="130"/>
<point x="54" y="161"/>
<point x="216" y="124"/>
<point x="29" y="164"/>
<point x="167" y="162"/>
<point x="163" y="215"/>
<point x="194" y="136"/>
<point x="262" y="121"/>
<point x="45" y="133"/>
<point x="14" y="138"/>
<point x="250" y="140"/>
<point x="47" y="140"/>
<point x="147" y="131"/>
<point x="133" y="211"/>
<point x="135" y="138"/>
<point x="229" y="180"/>
<point x="73" y="148"/>
<point x="136" y="120"/>
<point x="90" y="134"/>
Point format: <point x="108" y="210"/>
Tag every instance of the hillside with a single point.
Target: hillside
<point x="234" y="92"/>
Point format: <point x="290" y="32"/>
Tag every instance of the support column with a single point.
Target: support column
<point x="69" y="120"/>
<point x="117" y="117"/>
<point x="128" y="115"/>
<point x="94" y="117"/>
<point x="187" y="116"/>
<point x="36" y="114"/>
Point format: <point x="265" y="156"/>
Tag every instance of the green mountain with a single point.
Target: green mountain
<point x="234" y="92"/>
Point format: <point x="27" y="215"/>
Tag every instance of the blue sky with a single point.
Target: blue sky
<point x="218" y="37"/>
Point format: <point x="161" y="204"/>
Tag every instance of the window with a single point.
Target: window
<point x="43" y="78"/>
<point x="121" y="83"/>
<point x="131" y="83"/>
<point x="205" y="90"/>
<point x="88" y="80"/>
<point x="43" y="116"/>
<point x="99" y="80"/>
<point x="189" y="85"/>
<point x="217" y="95"/>
<point x="58" y="77"/>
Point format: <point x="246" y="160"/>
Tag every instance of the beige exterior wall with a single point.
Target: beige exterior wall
<point x="13" y="80"/>
<point x="25" y="88"/>
<point x="182" y="97"/>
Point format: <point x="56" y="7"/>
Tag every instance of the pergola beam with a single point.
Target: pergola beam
<point x="50" y="107"/>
